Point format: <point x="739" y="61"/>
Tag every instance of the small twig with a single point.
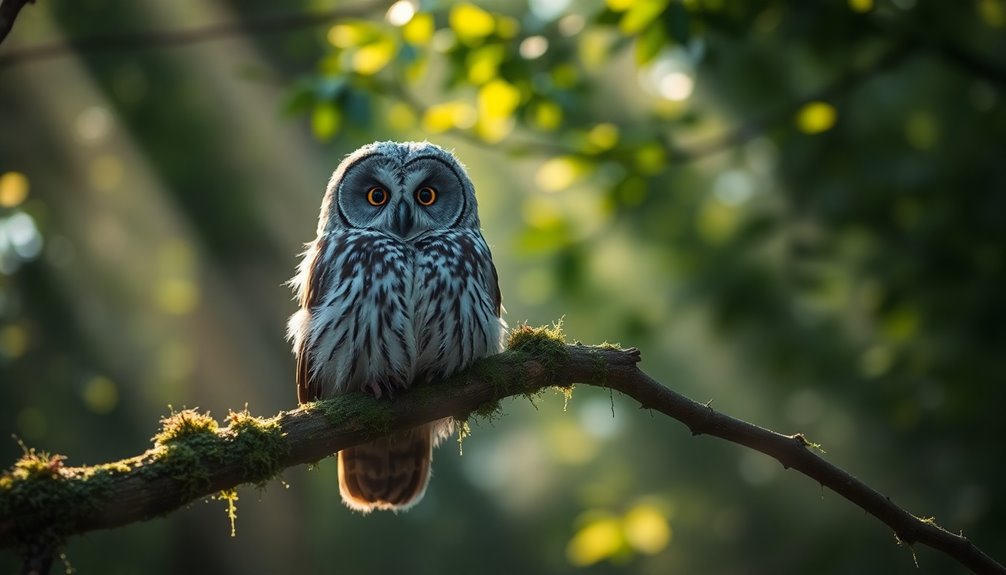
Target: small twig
<point x="130" y="41"/>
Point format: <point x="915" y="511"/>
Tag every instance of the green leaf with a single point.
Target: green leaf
<point x="649" y="43"/>
<point x="325" y="121"/>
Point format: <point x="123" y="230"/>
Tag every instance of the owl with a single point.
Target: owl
<point x="398" y="289"/>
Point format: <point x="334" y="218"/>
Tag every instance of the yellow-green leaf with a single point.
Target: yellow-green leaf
<point x="640" y="15"/>
<point x="325" y="121"/>
<point x="649" y="43"/>
<point x="471" y="23"/>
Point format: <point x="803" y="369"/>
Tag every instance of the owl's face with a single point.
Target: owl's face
<point x="403" y="189"/>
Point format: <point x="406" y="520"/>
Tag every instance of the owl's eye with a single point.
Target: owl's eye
<point x="426" y="196"/>
<point x="377" y="196"/>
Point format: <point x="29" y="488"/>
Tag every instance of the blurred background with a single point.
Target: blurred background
<point x="796" y="210"/>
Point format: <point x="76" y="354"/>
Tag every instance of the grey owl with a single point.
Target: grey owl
<point x="398" y="288"/>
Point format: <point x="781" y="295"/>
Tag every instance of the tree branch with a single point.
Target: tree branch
<point x="192" y="459"/>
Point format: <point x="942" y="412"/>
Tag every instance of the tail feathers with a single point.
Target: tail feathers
<point x="388" y="474"/>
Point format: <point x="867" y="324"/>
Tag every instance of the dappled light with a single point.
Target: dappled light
<point x="796" y="212"/>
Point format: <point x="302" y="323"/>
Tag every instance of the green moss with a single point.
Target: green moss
<point x="187" y="442"/>
<point x="258" y="442"/>
<point x="495" y="370"/>
<point x="546" y="343"/>
<point x="184" y="425"/>
<point x="52" y="496"/>
<point x="489" y="411"/>
<point x="365" y="411"/>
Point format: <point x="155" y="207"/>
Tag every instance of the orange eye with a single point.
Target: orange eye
<point x="377" y="196"/>
<point x="426" y="196"/>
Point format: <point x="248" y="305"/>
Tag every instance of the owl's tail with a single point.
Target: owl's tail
<point x="387" y="474"/>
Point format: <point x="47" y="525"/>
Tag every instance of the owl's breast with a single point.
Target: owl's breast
<point x="394" y="313"/>
<point x="362" y="334"/>
<point x="454" y="318"/>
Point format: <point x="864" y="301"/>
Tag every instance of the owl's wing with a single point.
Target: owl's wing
<point x="313" y="284"/>
<point x="494" y="289"/>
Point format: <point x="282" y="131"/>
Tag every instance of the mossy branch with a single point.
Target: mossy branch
<point x="42" y="500"/>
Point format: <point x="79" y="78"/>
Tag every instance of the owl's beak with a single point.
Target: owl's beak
<point x="402" y="222"/>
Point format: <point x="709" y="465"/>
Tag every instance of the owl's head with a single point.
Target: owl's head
<point x="404" y="189"/>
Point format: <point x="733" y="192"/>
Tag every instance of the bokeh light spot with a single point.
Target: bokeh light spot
<point x="325" y="121"/>
<point x="922" y="130"/>
<point x="733" y="187"/>
<point x="650" y="158"/>
<point x="993" y="12"/>
<point x="546" y="115"/>
<point x="13" y="341"/>
<point x="572" y="24"/>
<point x="483" y="63"/>
<point x="875" y="361"/>
<point x="541" y="213"/>
<point x="533" y="47"/>
<point x="448" y="115"/>
<point x="597" y="418"/>
<point x="400" y="13"/>
<point x="21" y="234"/>
<point x="346" y="35"/>
<point x="646" y="529"/>
<point x="603" y="137"/>
<point x="676" y="86"/>
<point x="400" y="116"/>
<point x="559" y="173"/>
<point x="861" y="5"/>
<point x="372" y="58"/>
<point x="471" y="23"/>
<point x="717" y="222"/>
<point x="547" y="10"/>
<point x="93" y="123"/>
<point x="597" y="540"/>
<point x="100" y="395"/>
<point x="816" y="117"/>
<point x="13" y="189"/>
<point x="419" y="31"/>
<point x="498" y="99"/>
<point x="569" y="444"/>
<point x="177" y="296"/>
